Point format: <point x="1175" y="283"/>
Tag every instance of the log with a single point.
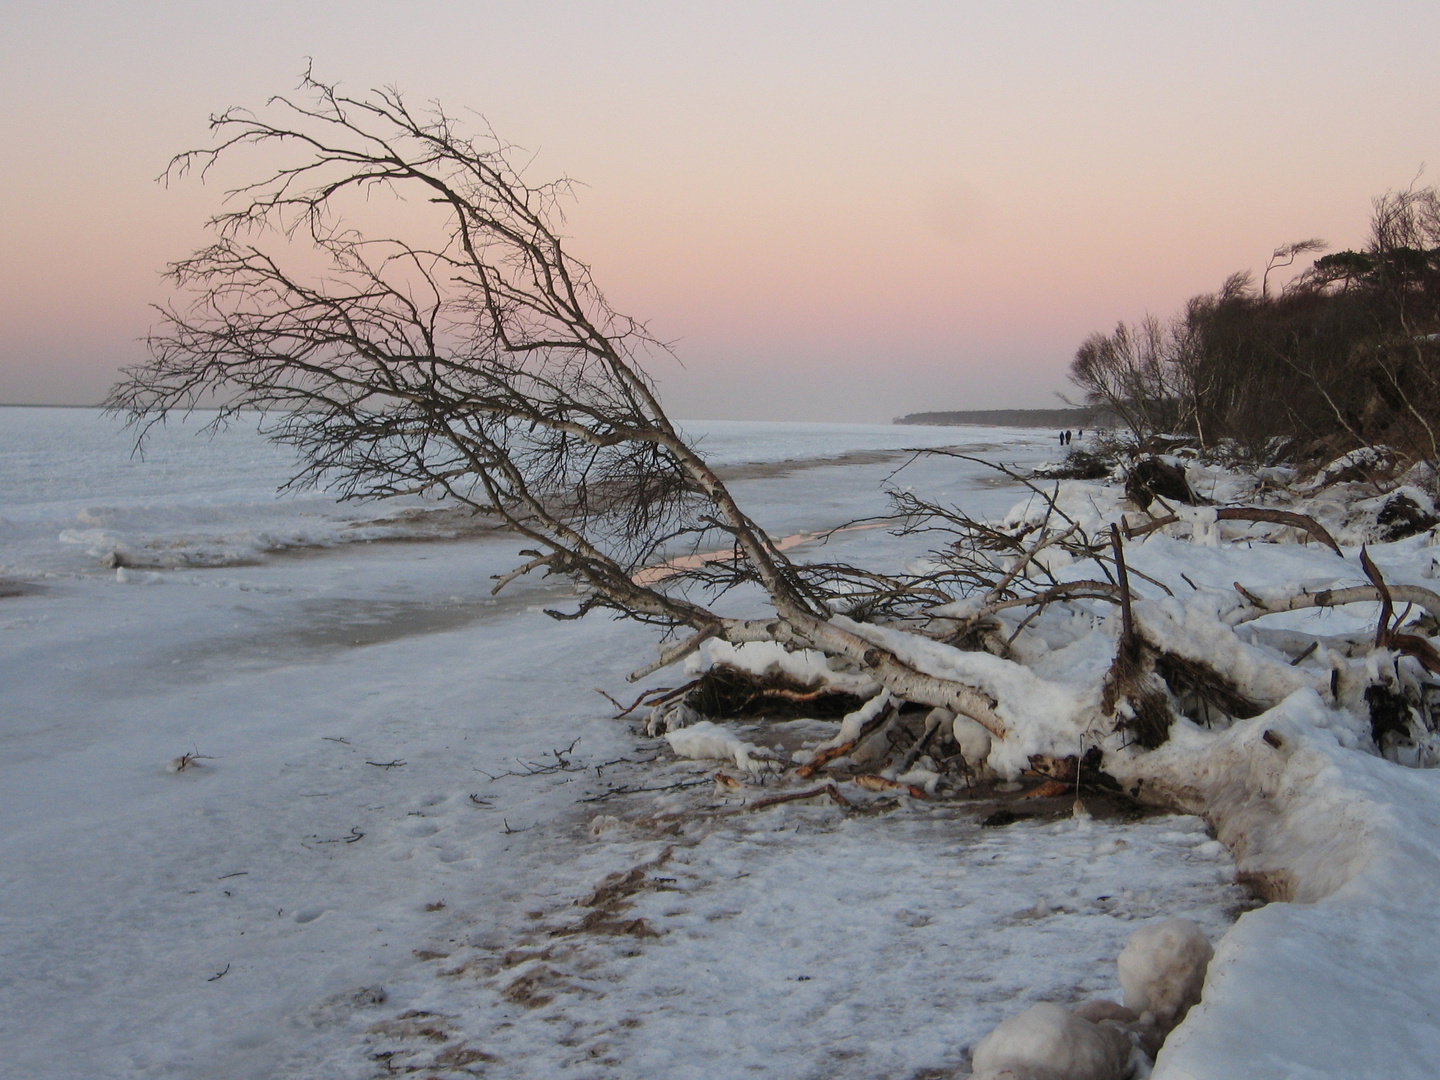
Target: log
<point x="1280" y="517"/>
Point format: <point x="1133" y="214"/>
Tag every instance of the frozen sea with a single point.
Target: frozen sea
<point x="379" y="858"/>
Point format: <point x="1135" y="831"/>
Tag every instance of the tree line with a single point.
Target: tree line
<point x="1346" y="354"/>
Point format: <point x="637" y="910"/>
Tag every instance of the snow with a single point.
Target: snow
<point x="1162" y="969"/>
<point x="769" y="658"/>
<point x="1049" y="1042"/>
<point x="1043" y="713"/>
<point x="1342" y="978"/>
<point x="708" y="740"/>
<point x="287" y="796"/>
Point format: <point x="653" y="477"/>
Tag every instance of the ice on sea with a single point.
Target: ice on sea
<point x="74" y="494"/>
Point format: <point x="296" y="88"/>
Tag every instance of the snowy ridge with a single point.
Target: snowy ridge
<point x="1342" y="978"/>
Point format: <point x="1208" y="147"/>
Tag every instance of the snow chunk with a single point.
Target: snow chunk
<point x="973" y="740"/>
<point x="710" y="741"/>
<point x="1366" y="457"/>
<point x="1049" y="1042"/>
<point x="1162" y="969"/>
<point x="919" y="777"/>
<point x="854" y="723"/>
<point x="1202" y="521"/>
<point x="1092" y="505"/>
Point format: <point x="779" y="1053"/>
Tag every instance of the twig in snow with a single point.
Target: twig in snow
<point x="237" y="873"/>
<point x="644" y="790"/>
<point x="562" y="763"/>
<point x="397" y="763"/>
<point x="355" y="834"/>
<point x="219" y="974"/>
<point x="189" y="761"/>
<point x="655" y="696"/>
<point x="1248" y="595"/>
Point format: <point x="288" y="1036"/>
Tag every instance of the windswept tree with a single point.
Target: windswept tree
<point x="464" y="353"/>
<point x="1133" y="372"/>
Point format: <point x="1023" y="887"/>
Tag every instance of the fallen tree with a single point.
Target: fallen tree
<point x="468" y="356"/>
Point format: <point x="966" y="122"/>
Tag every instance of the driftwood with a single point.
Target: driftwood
<point x="871" y="782"/>
<point x="1387" y="630"/>
<point x="1301" y="598"/>
<point x="655" y="696"/>
<point x="1280" y="517"/>
<point x="1301" y="522"/>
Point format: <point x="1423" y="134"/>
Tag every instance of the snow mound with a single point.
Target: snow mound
<point x="1340" y="979"/>
<point x="1049" y="1042"/>
<point x="711" y="741"/>
<point x="1162" y="969"/>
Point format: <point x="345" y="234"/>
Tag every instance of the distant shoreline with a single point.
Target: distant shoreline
<point x="1033" y="418"/>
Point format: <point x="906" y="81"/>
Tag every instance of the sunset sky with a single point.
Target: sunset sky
<point x="836" y="211"/>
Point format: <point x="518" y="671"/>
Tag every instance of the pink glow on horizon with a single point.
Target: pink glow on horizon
<point x="874" y="210"/>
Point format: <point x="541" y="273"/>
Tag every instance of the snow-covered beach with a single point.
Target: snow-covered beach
<point x="288" y="793"/>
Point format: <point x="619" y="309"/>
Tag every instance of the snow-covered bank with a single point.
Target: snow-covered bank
<point x="1225" y="615"/>
<point x="1335" y="979"/>
<point x="1341" y="981"/>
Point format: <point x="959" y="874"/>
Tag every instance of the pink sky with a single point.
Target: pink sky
<point x="836" y="210"/>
